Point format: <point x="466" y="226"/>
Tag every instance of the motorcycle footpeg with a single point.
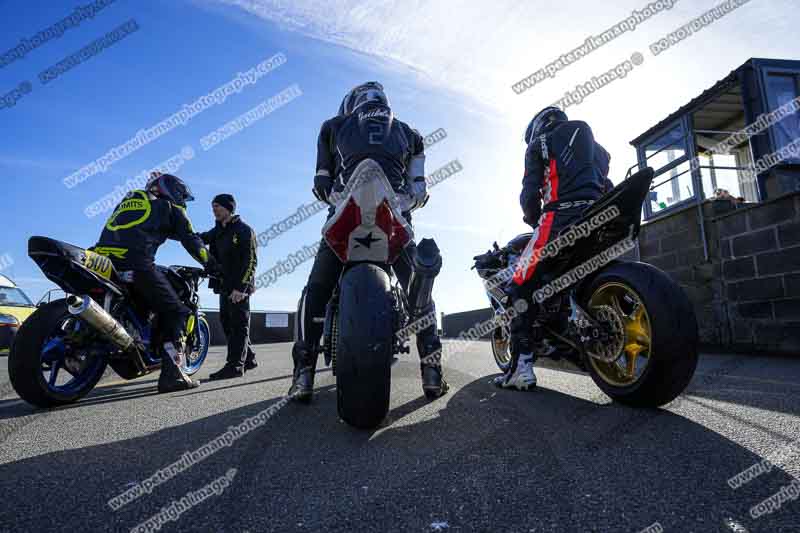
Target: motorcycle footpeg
<point x="134" y="354"/>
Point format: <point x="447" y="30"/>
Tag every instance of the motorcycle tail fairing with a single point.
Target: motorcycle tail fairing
<point x="368" y="224"/>
<point x="627" y="198"/>
<point x="74" y="269"/>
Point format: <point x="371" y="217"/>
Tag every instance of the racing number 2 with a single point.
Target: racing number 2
<point x="377" y="132"/>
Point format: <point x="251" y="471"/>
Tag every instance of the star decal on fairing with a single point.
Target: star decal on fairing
<point x="366" y="241"/>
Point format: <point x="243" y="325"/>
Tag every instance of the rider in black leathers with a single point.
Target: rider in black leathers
<point x="364" y="128"/>
<point x="565" y="173"/>
<point x="139" y="225"/>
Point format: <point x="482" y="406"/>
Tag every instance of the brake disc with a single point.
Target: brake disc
<point x="76" y="364"/>
<point x="612" y="348"/>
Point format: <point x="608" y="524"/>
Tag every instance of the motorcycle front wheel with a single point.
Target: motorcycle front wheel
<point x="653" y="351"/>
<point x="501" y="347"/>
<point x="197" y="346"/>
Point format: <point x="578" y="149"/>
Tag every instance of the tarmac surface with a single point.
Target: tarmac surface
<point x="562" y="458"/>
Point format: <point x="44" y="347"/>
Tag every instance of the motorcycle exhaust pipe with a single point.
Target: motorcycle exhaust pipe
<point x="427" y="265"/>
<point x="90" y="312"/>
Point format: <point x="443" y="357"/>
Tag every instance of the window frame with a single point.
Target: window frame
<point x="768" y="98"/>
<point x="685" y="125"/>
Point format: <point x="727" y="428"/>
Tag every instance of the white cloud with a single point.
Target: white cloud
<point x="453" y="44"/>
<point x="479" y="49"/>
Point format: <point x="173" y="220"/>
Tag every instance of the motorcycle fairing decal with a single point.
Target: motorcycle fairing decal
<point x="394" y="228"/>
<point x="368" y="213"/>
<point x="529" y="259"/>
<point x="99" y="264"/>
<point x="337" y="234"/>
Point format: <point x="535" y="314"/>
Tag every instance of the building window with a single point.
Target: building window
<point x="671" y="187"/>
<point x="666" y="149"/>
<point x="668" y="155"/>
<point x="782" y="89"/>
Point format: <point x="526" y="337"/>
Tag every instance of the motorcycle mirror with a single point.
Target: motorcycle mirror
<point x="496" y="248"/>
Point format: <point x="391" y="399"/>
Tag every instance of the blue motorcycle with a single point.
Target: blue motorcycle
<point x="62" y="351"/>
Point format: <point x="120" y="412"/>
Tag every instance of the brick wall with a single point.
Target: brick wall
<point x="675" y="245"/>
<point x="747" y="294"/>
<point x="760" y="253"/>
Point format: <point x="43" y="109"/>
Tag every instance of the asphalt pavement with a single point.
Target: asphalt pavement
<point x="562" y="458"/>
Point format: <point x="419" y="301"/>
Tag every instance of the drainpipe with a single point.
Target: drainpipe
<point x="697" y="180"/>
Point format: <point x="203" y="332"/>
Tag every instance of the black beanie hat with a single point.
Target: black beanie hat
<point x="225" y="200"/>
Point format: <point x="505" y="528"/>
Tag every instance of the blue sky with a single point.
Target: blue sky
<point x="445" y="65"/>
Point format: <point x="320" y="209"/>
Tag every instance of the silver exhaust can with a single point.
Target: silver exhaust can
<point x="90" y="312"/>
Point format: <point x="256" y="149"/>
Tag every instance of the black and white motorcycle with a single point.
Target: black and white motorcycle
<point x="369" y="307"/>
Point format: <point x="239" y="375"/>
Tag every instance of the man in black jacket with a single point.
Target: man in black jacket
<point x="139" y="225"/>
<point x="565" y="173"/>
<point x="233" y="244"/>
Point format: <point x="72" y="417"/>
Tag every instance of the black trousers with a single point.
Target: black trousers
<point x="235" y="318"/>
<point x="152" y="289"/>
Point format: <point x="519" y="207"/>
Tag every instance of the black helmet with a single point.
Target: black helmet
<point x="543" y="118"/>
<point x="170" y="188"/>
<point x="372" y="91"/>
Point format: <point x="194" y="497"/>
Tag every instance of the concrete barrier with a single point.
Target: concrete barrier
<point x="260" y="333"/>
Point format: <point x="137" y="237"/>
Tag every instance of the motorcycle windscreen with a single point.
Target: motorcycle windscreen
<point x="368" y="224"/>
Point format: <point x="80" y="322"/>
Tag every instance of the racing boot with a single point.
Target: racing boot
<point x="305" y="366"/>
<point x="172" y="377"/>
<point x="433" y="382"/>
<point x="519" y="374"/>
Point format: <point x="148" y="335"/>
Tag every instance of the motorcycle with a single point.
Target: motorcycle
<point x="369" y="307"/>
<point x="626" y="323"/>
<point x="64" y="348"/>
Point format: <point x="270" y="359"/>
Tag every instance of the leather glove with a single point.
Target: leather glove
<point x="213" y="268"/>
<point x="419" y="191"/>
<point x="322" y="187"/>
<point x="531" y="223"/>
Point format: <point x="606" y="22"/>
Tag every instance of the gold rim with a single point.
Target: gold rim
<point x="501" y="345"/>
<point x="636" y="348"/>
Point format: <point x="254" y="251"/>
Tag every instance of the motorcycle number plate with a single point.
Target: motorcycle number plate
<point x="98" y="264"/>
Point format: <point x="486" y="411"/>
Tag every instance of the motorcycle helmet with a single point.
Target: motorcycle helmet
<point x="372" y="91"/>
<point x="170" y="188"/>
<point x="543" y="118"/>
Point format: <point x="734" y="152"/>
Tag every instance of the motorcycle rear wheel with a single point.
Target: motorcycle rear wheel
<point x="39" y="348"/>
<point x="364" y="346"/>
<point x="657" y="348"/>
